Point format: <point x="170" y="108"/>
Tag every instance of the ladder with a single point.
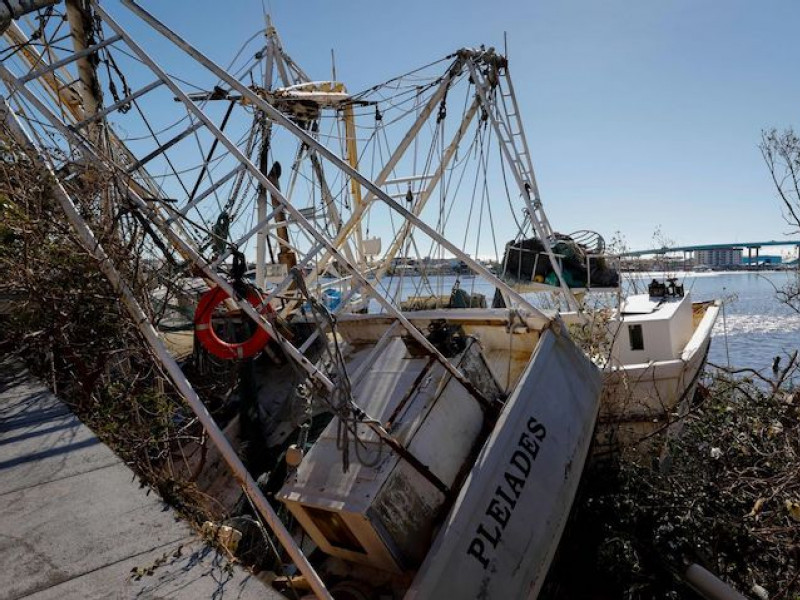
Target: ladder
<point x="496" y="93"/>
<point x="514" y="135"/>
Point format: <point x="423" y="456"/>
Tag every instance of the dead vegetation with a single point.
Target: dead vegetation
<point x="729" y="501"/>
<point x="781" y="153"/>
<point x="61" y="316"/>
<point x="59" y="313"/>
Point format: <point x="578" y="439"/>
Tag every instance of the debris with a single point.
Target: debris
<point x="756" y="508"/>
<point x="226" y="536"/>
<point x="793" y="506"/>
<point x="775" y="429"/>
<point x="737" y="515"/>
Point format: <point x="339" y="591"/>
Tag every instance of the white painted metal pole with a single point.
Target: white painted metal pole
<point x="170" y="365"/>
<point x="709" y="585"/>
<point x="261" y="198"/>
<point x="285" y="122"/>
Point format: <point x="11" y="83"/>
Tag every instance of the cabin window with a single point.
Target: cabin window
<point x="636" y="337"/>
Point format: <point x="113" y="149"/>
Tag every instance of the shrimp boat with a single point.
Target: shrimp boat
<point x="660" y="346"/>
<point x="651" y="347"/>
<point x="421" y="454"/>
<point x="449" y="436"/>
<point x="427" y="443"/>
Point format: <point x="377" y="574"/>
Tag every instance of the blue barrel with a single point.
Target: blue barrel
<point x="331" y="299"/>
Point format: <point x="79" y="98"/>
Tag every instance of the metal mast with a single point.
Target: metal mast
<point x="504" y="115"/>
<point x="287" y="82"/>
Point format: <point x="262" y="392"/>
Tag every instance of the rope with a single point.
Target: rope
<point x="348" y="413"/>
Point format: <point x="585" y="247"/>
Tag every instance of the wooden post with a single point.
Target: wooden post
<point x="285" y="254"/>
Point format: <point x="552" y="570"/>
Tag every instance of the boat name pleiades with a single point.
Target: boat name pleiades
<point x="501" y="507"/>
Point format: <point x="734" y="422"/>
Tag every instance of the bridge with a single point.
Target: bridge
<point x="743" y="245"/>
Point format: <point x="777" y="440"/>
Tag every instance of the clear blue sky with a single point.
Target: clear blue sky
<point x="639" y="114"/>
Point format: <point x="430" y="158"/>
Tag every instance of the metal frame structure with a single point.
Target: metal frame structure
<point x="276" y="116"/>
<point x="167" y="227"/>
<point x="182" y="384"/>
<point x="79" y="130"/>
<point x="290" y="74"/>
<point x="514" y="146"/>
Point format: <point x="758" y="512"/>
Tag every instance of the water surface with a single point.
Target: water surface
<point x="754" y="328"/>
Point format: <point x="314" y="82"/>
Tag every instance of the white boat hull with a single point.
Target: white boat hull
<point x="499" y="539"/>
<point x="642" y="400"/>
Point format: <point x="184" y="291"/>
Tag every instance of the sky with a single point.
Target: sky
<point x="641" y="116"/>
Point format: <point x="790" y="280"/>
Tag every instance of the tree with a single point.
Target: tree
<point x="781" y="152"/>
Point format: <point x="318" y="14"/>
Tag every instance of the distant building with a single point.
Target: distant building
<point x="719" y="257"/>
<point x="763" y="259"/>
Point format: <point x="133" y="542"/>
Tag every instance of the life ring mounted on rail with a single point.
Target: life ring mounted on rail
<point x="209" y="339"/>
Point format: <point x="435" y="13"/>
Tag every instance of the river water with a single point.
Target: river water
<point x="756" y="326"/>
<point x="754" y="329"/>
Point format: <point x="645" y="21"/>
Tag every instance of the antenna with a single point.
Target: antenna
<point x="333" y="66"/>
<point x="267" y="10"/>
<point x="505" y="44"/>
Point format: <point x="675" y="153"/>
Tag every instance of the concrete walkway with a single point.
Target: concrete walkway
<point x="75" y="522"/>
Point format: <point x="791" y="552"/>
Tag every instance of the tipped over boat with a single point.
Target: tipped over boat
<point x="423" y="442"/>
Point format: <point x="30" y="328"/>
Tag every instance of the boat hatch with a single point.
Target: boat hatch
<point x="640" y="305"/>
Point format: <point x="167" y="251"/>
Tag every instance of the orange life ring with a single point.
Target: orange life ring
<point x="212" y="342"/>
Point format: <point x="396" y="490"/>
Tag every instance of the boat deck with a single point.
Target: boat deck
<point x="76" y="523"/>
